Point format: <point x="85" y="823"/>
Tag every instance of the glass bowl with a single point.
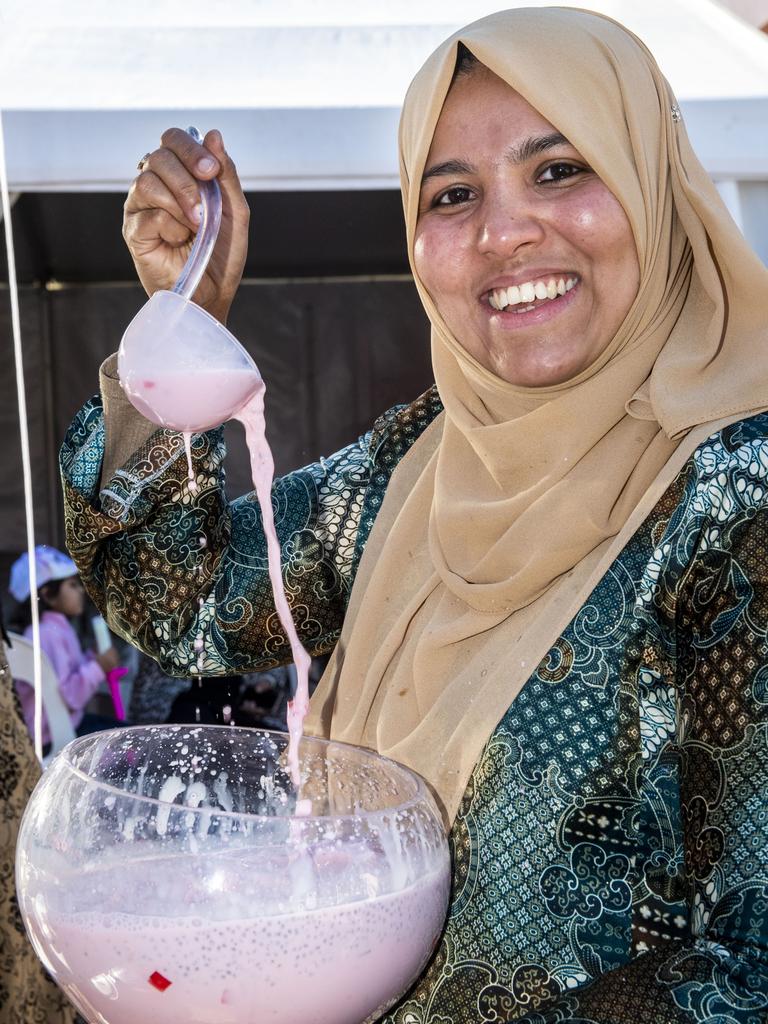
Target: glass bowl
<point x="172" y="874"/>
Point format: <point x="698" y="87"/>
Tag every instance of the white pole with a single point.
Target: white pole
<point x="25" y="460"/>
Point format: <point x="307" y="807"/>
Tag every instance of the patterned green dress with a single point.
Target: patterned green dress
<point x="611" y="849"/>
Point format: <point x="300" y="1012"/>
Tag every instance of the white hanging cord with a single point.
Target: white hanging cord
<point x="25" y="460"/>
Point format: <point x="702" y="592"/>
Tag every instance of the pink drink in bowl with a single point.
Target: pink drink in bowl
<point x="164" y="877"/>
<point x="328" y="966"/>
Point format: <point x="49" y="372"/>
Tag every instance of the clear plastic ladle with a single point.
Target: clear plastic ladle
<point x="178" y="365"/>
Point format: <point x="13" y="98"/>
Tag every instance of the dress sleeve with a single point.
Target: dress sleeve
<point x="718" y="974"/>
<point x="78" y="683"/>
<point x="183" y="574"/>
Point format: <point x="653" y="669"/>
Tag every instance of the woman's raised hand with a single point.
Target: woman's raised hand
<point x="162" y="215"/>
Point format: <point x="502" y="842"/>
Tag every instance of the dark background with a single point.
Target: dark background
<point x="75" y="237"/>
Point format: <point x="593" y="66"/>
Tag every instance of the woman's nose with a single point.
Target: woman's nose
<point x="508" y="227"/>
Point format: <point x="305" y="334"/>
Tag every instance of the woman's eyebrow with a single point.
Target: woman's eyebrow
<point x="535" y="145"/>
<point x="448" y="167"/>
<point x="517" y="154"/>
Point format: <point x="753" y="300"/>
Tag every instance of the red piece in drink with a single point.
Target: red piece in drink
<point x="159" y="981"/>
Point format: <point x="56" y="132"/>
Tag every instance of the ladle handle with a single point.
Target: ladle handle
<point x="207" y="233"/>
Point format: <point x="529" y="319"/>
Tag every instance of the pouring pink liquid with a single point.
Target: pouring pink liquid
<point x="182" y="368"/>
<point x="196" y="399"/>
<point x="263" y="471"/>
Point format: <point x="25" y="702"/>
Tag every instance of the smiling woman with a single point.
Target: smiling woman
<point x="544" y="582"/>
<point x="523" y="249"/>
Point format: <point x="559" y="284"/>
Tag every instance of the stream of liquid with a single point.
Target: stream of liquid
<point x="195" y="400"/>
<point x="263" y="472"/>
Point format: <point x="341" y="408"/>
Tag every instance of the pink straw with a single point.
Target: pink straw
<point x="113" y="681"/>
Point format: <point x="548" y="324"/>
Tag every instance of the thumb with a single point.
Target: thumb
<point x="234" y="201"/>
<point x="214" y="142"/>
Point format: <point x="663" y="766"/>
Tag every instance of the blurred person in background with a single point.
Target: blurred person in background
<point x="61" y="599"/>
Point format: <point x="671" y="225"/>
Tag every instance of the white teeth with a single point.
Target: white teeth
<point x="525" y="309"/>
<point x="528" y="292"/>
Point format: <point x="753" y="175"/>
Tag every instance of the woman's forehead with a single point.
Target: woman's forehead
<point x="482" y="104"/>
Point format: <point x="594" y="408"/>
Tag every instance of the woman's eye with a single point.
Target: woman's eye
<point x="560" y="172"/>
<point x="454" y="196"/>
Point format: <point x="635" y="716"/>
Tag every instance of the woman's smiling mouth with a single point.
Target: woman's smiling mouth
<point x="530" y="294"/>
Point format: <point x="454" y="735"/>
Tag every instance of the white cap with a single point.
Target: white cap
<point x="50" y="563"/>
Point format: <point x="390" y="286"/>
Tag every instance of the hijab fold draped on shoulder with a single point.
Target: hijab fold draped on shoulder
<point x="496" y="523"/>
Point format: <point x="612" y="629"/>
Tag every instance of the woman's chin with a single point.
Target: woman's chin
<point x="532" y="371"/>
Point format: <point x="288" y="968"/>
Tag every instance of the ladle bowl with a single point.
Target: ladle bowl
<point x="181" y="368"/>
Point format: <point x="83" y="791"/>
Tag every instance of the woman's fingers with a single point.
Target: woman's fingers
<point x="145" y="230"/>
<point x="157" y="243"/>
<point x="233" y="202"/>
<point x="162" y="212"/>
<point x="171" y="174"/>
<point x="149" y="192"/>
<point x="214" y="145"/>
<point x="166" y="182"/>
<point x="155" y="225"/>
<point x="198" y="160"/>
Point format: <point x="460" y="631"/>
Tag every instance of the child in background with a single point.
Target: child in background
<point x="61" y="598"/>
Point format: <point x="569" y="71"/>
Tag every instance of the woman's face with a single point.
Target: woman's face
<point x="528" y="257"/>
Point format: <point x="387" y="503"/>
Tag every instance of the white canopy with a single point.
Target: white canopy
<point x="307" y="94"/>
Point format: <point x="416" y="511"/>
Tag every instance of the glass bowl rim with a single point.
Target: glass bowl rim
<point x="421" y="795"/>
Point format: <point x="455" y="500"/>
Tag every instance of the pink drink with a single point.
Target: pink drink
<point x="335" y="965"/>
<point x="193" y="400"/>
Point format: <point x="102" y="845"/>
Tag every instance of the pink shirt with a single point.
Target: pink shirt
<point x="79" y="673"/>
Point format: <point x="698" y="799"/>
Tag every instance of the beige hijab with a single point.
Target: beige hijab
<point x="504" y="515"/>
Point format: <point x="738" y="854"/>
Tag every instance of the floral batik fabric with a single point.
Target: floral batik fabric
<point x="171" y="567"/>
<point x="611" y="850"/>
<point x="610" y="856"/>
